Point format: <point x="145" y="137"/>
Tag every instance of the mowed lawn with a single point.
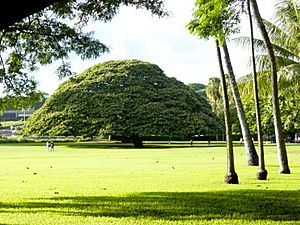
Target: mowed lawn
<point x="82" y="183"/>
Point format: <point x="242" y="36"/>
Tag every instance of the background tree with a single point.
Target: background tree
<point x="128" y="99"/>
<point x="283" y="35"/>
<point x="214" y="92"/>
<point x="199" y="88"/>
<point x="289" y="104"/>
<point x="219" y="19"/>
<point x="33" y="101"/>
<point x="215" y="97"/>
<point x="53" y="34"/>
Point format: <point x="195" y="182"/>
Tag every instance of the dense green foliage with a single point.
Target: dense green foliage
<point x="215" y="18"/>
<point x="125" y="98"/>
<point x="33" y="100"/>
<point x="288" y="99"/>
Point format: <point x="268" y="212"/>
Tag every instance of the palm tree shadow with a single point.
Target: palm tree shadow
<point x="240" y="204"/>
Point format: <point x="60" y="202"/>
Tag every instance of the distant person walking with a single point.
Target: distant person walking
<point x="51" y="147"/>
<point x="47" y="146"/>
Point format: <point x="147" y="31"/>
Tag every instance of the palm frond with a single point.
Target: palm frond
<point x="260" y="47"/>
<point x="284" y="62"/>
<point x="244" y="42"/>
<point x="262" y="62"/>
<point x="264" y="84"/>
<point x="280" y="37"/>
<point x="289" y="79"/>
<point x="245" y="84"/>
<point x="286" y="52"/>
<point x="291" y="72"/>
<point x="288" y="16"/>
<point x="275" y="33"/>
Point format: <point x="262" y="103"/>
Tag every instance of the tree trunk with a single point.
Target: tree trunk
<point x="262" y="173"/>
<point x="281" y="149"/>
<point x="252" y="156"/>
<point x="137" y="142"/>
<point x="231" y="177"/>
<point x="215" y="104"/>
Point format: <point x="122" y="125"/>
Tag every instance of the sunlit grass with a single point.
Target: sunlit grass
<point x="161" y="184"/>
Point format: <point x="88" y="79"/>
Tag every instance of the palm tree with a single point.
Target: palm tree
<point x="285" y="42"/>
<point x="213" y="91"/>
<point x="285" y="38"/>
<point x="214" y="94"/>
<point x="262" y="172"/>
<point x="249" y="146"/>
<point x="281" y="149"/>
<point x="231" y="177"/>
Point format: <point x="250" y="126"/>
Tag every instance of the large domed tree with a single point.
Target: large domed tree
<point x="126" y="98"/>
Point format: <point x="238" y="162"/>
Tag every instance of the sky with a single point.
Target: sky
<point x="136" y="34"/>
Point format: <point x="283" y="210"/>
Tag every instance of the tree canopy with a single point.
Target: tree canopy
<point x="216" y="18"/>
<point x="53" y="34"/>
<point x="127" y="98"/>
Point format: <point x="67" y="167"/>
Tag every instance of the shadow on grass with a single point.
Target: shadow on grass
<point x="146" y="146"/>
<point x="240" y="204"/>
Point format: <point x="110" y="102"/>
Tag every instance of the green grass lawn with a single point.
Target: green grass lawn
<point x="161" y="184"/>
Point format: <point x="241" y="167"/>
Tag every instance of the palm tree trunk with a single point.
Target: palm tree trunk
<point x="281" y="149"/>
<point x="262" y="173"/>
<point x="252" y="156"/>
<point x="231" y="176"/>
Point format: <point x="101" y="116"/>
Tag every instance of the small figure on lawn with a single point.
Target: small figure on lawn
<point x="51" y="147"/>
<point x="47" y="146"/>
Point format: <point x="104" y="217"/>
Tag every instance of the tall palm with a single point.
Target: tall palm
<point x="281" y="148"/>
<point x="249" y="146"/>
<point x="231" y="177"/>
<point x="262" y="172"/>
